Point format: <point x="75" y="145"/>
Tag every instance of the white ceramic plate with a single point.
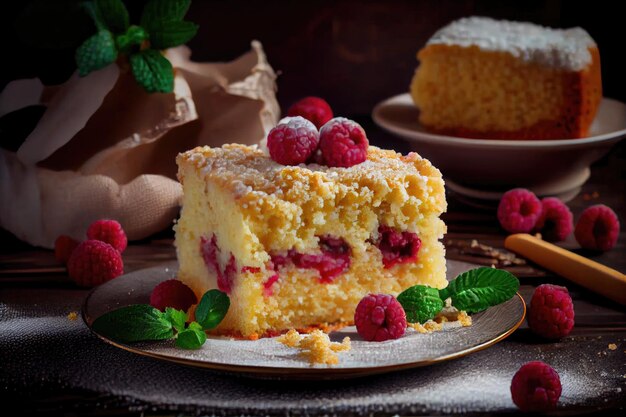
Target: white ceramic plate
<point x="484" y="168"/>
<point x="268" y="358"/>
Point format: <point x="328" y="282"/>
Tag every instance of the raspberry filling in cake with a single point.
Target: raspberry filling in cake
<point x="226" y="275"/>
<point x="397" y="247"/>
<point x="333" y="259"/>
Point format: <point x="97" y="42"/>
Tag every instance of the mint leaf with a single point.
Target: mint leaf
<point x="96" y="52"/>
<point x="167" y="34"/>
<point x="133" y="324"/>
<point x="480" y="288"/>
<point x="212" y="309"/>
<point x="152" y="71"/>
<point x="113" y="14"/>
<point x="420" y="303"/>
<point x="178" y="318"/>
<point x="191" y="338"/>
<point x="134" y="35"/>
<point x="156" y="11"/>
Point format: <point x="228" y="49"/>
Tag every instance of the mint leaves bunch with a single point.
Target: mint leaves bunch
<point x="141" y="322"/>
<point x="472" y="291"/>
<point x="161" y="27"/>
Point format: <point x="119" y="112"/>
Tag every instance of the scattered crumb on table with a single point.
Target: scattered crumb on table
<point x="316" y="346"/>
<point x="612" y="346"/>
<point x="72" y="315"/>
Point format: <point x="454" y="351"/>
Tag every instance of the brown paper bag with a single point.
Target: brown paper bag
<point x="105" y="148"/>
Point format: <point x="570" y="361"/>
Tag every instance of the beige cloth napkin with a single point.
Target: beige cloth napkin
<point x="105" y="149"/>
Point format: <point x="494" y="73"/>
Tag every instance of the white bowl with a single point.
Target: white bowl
<point x="484" y="168"/>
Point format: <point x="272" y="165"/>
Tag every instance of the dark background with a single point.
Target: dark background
<point x="352" y="53"/>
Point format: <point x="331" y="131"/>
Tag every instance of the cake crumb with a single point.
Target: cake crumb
<point x="291" y="339"/>
<point x="465" y="319"/>
<point x="612" y="346"/>
<point x="418" y="328"/>
<point x="447" y="314"/>
<point x="316" y="346"/>
<point x="433" y="326"/>
<point x="72" y="316"/>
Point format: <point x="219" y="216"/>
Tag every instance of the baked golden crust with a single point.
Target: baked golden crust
<point x="256" y="207"/>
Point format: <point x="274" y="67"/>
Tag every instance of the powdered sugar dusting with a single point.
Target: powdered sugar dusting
<point x="413" y="347"/>
<point x="243" y="168"/>
<point x="557" y="48"/>
<point x="297" y="122"/>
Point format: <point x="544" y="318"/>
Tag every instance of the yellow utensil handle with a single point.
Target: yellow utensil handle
<point x="585" y="272"/>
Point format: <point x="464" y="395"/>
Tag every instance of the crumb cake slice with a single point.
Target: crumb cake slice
<point x="486" y="78"/>
<point x="299" y="246"/>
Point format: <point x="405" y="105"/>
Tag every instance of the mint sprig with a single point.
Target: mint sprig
<point x="170" y="33"/>
<point x="420" y="303"/>
<point x="472" y="291"/>
<point x="134" y="323"/>
<point x="178" y="318"/>
<point x="96" y="52"/>
<point x="480" y="288"/>
<point x="142" y="322"/>
<point x="162" y="26"/>
<point x="152" y="71"/>
<point x="212" y="309"/>
<point x="192" y="337"/>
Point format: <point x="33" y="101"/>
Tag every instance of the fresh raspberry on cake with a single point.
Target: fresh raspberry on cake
<point x="597" y="228"/>
<point x="380" y="317"/>
<point x="296" y="247"/>
<point x="551" y="312"/>
<point x="292" y="141"/>
<point x="172" y="293"/>
<point x="556" y="221"/>
<point x="536" y="387"/>
<point x="63" y="248"/>
<point x="94" y="262"/>
<point x="343" y="143"/>
<point x="108" y="231"/>
<point x="519" y="210"/>
<point x="314" y="109"/>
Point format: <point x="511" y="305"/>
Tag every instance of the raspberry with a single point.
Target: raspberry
<point x="536" y="387"/>
<point x="314" y="109"/>
<point x="210" y="251"/>
<point x="94" y="262"/>
<point x="397" y="247"/>
<point x="597" y="228"/>
<point x="556" y="221"/>
<point x="63" y="248"/>
<point x="343" y="143"/>
<point x="108" y="231"/>
<point x="519" y="210"/>
<point x="551" y="312"/>
<point x="172" y="293"/>
<point x="333" y="260"/>
<point x="379" y="317"/>
<point x="292" y="141"/>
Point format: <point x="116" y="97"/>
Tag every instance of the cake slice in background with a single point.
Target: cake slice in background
<point x="483" y="78"/>
<point x="299" y="246"/>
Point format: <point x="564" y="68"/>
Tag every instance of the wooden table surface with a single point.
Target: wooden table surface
<point x="31" y="269"/>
